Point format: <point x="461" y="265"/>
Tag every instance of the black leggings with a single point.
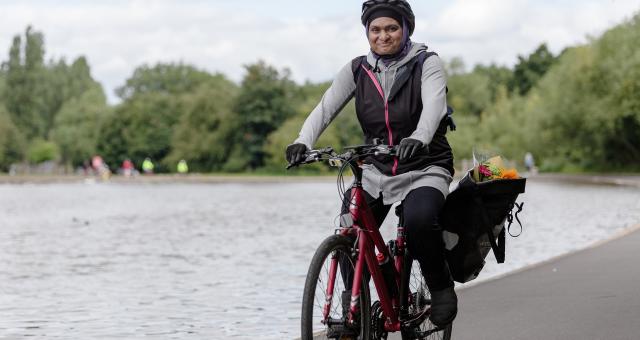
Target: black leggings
<point x="423" y="234"/>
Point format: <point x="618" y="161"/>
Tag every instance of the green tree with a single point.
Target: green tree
<point x="35" y="91"/>
<point x="263" y="104"/>
<point x="591" y="110"/>
<point x="140" y="127"/>
<point x="23" y="96"/>
<point x="155" y="101"/>
<point x="204" y="129"/>
<point x="498" y="76"/>
<point x="67" y="83"/>
<point x="77" y="125"/>
<point x="163" y="78"/>
<point x="112" y="142"/>
<point x="530" y="69"/>
<point x="469" y="93"/>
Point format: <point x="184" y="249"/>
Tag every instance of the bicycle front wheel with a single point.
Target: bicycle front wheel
<point x="417" y="301"/>
<point x="327" y="294"/>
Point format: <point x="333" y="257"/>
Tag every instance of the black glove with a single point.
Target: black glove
<point x="408" y="148"/>
<point x="295" y="153"/>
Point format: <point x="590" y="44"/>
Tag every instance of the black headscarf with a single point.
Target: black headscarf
<point x="406" y="42"/>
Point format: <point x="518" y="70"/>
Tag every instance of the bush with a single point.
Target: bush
<point x="41" y="151"/>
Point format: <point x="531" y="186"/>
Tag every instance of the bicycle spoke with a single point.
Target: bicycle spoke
<point x="330" y="278"/>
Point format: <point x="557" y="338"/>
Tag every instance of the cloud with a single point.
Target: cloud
<point x="478" y="19"/>
<point x="484" y="31"/>
<point x="118" y="36"/>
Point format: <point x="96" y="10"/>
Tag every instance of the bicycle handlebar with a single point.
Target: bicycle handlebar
<point x="352" y="153"/>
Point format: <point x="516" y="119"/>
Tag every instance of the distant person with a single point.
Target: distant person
<point x="529" y="162"/>
<point x="100" y="168"/>
<point x="127" y="168"/>
<point x="97" y="164"/>
<point x="147" y="166"/>
<point x="400" y="99"/>
<point x="182" y="167"/>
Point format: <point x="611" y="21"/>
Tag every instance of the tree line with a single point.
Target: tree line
<point x="575" y="111"/>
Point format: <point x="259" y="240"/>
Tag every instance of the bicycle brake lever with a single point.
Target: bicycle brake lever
<point x="385" y="150"/>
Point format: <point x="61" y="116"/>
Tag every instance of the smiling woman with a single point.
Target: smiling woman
<point x="400" y="99"/>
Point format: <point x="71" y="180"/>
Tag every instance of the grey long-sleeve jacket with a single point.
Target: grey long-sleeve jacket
<point x="433" y="95"/>
<point x="342" y="89"/>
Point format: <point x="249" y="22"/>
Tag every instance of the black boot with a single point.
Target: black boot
<point x="444" y="306"/>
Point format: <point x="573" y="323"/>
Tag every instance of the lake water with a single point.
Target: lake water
<point x="216" y="261"/>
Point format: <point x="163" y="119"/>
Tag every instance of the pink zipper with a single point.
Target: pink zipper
<point x="386" y="116"/>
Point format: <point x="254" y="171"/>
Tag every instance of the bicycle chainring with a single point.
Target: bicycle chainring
<point x="377" y="322"/>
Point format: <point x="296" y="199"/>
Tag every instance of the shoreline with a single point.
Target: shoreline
<point x="164" y="178"/>
<point x="631" y="180"/>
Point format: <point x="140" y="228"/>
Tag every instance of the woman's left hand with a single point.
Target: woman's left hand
<point x="408" y="148"/>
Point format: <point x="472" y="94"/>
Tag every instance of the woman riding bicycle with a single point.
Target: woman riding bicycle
<point x="400" y="93"/>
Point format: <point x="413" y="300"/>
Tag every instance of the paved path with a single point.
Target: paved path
<point x="592" y="294"/>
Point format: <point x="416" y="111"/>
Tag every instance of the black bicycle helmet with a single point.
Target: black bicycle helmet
<point x="400" y="6"/>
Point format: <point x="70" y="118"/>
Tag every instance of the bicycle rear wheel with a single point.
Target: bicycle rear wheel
<point x="417" y="301"/>
<point x="337" y="251"/>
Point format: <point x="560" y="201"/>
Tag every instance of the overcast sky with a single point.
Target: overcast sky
<point x="312" y="38"/>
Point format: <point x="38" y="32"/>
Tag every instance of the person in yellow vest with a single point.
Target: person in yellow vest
<point x="147" y="166"/>
<point x="183" y="168"/>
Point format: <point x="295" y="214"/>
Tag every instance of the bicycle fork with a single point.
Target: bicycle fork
<point x="365" y="257"/>
<point x="355" y="288"/>
<point x="333" y="269"/>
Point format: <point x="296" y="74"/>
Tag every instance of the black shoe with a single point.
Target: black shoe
<point x="444" y="307"/>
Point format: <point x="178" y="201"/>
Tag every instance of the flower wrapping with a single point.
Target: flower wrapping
<point x="492" y="169"/>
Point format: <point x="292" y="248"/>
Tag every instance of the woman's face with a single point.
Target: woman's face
<point x="385" y="36"/>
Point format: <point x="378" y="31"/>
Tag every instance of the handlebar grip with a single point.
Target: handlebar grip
<point x="309" y="157"/>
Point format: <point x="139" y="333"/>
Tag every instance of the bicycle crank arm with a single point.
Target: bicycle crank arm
<point x="424" y="335"/>
<point x="337" y="328"/>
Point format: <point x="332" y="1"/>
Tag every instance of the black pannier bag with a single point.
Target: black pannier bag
<point x="473" y="220"/>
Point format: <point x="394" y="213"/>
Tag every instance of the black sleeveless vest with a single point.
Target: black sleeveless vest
<point x="396" y="119"/>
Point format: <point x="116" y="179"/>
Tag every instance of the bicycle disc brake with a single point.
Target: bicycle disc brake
<point x="377" y="322"/>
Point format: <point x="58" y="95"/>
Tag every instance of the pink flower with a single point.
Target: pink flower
<point x="484" y="171"/>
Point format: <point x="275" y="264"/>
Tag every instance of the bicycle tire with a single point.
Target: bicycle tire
<point x="413" y="285"/>
<point x="313" y="299"/>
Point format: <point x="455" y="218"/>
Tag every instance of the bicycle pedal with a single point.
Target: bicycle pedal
<point x="341" y="332"/>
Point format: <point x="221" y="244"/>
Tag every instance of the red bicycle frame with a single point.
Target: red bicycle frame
<point x="369" y="238"/>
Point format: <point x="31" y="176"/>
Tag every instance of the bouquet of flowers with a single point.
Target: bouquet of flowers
<point x="493" y="168"/>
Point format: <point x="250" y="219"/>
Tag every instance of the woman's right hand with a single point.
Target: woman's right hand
<point x="295" y="153"/>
